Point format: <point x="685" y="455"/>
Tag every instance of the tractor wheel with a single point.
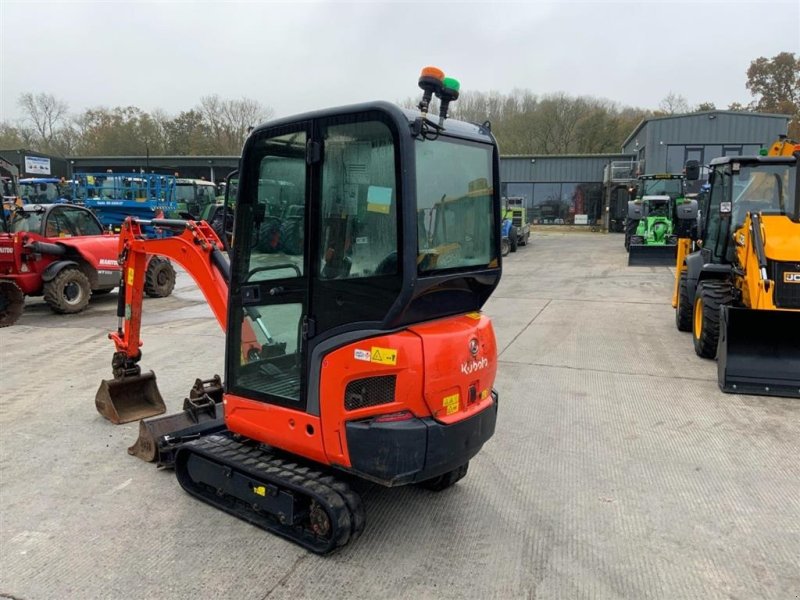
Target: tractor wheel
<point x="631" y="225"/>
<point x="12" y="302"/>
<point x="683" y="312"/>
<point x="442" y="482"/>
<point x="292" y="236"/>
<point x="68" y="292"/>
<point x="269" y="235"/>
<point x="159" y="280"/>
<point x="505" y="246"/>
<point x="513" y="239"/>
<point x="709" y="297"/>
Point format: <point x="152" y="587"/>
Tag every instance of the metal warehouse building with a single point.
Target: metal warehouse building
<point x="592" y="189"/>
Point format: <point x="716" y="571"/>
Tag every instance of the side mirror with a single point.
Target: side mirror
<point x="692" y="170"/>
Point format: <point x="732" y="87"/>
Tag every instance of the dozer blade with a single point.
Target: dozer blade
<point x="759" y="352"/>
<point x="641" y="255"/>
<point x="12" y="302"/>
<point x="129" y="398"/>
<point x="160" y="437"/>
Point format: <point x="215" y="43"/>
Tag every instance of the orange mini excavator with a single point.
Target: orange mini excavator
<point x="365" y="352"/>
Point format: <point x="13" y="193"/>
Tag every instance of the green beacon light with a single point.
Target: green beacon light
<point x="451" y="83"/>
<point x="763" y="152"/>
<point x="448" y="94"/>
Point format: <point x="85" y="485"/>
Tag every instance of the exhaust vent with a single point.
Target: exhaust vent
<point x="370" y="391"/>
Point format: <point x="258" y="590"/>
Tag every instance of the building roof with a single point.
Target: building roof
<point x="738" y="113"/>
<point x="609" y="155"/>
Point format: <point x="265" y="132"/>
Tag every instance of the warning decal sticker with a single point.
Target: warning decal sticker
<point x="384" y="356"/>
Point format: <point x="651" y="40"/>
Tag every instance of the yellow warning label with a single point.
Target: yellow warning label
<point x="130" y="276"/>
<point x="484" y="394"/>
<point x="473" y="315"/>
<point x="383" y="356"/>
<point x="450" y="403"/>
<point x="260" y="490"/>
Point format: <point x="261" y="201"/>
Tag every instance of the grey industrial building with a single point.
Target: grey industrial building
<point x="593" y="189"/>
<point x="581" y="189"/>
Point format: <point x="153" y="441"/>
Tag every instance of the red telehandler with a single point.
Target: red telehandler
<point x="365" y="354"/>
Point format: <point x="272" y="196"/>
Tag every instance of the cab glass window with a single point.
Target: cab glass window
<point x="455" y="214"/>
<point x="358" y="230"/>
<point x="80" y="222"/>
<point x="272" y="230"/>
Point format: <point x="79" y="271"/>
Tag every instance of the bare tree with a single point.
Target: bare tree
<point x="673" y="104"/>
<point x="229" y="120"/>
<point x="47" y="115"/>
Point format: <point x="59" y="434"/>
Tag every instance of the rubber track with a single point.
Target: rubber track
<point x="343" y="506"/>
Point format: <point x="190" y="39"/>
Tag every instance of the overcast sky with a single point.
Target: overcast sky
<point x="302" y="55"/>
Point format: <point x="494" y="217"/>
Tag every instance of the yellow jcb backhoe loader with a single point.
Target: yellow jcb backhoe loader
<point x="740" y="291"/>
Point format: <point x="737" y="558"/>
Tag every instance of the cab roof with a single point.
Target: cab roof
<point x="401" y="116"/>
<point x="766" y="160"/>
<point x="40" y="180"/>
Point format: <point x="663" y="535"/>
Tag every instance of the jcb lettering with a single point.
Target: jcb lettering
<point x="791" y="277"/>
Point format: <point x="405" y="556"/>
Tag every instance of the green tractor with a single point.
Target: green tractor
<point x="650" y="229"/>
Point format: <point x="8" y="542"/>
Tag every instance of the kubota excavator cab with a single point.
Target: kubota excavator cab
<point x="400" y="234"/>
<point x="361" y="349"/>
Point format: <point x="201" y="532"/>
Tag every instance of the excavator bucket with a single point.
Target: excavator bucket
<point x="641" y="255"/>
<point x="201" y="415"/>
<point x="126" y="399"/>
<point x="12" y="302"/>
<point x="759" y="352"/>
<point x="160" y="437"/>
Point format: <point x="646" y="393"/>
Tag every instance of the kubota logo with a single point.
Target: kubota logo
<point x="790" y="277"/>
<point x="474" y="365"/>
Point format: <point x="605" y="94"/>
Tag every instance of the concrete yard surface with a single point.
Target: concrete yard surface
<point x="618" y="468"/>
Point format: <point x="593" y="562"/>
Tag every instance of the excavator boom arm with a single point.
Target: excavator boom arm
<point x="196" y="248"/>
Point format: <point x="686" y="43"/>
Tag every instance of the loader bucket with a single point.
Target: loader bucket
<point x="759" y="352"/>
<point x="640" y="255"/>
<point x="159" y="437"/>
<point x="129" y="398"/>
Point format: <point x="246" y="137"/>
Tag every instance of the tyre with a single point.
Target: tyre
<point x="159" y="280"/>
<point x="292" y="236"/>
<point x="442" y="482"/>
<point x="631" y="225"/>
<point x="269" y="235"/>
<point x="709" y="297"/>
<point x="12" y="302"/>
<point x="68" y="292"/>
<point x="505" y="246"/>
<point x="524" y="240"/>
<point x="683" y="312"/>
<point x="513" y="238"/>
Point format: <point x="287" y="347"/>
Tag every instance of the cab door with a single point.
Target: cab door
<point x="269" y="301"/>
